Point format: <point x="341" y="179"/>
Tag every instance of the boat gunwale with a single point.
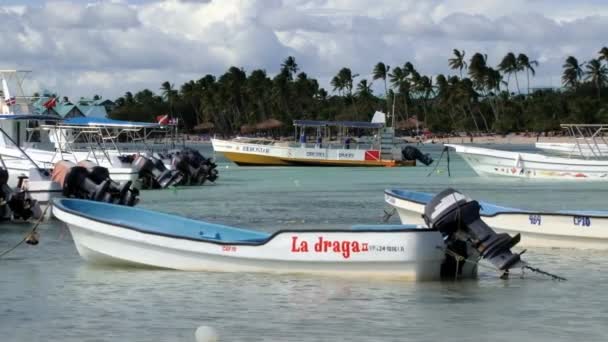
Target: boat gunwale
<point x="522" y="211"/>
<point x="60" y="206"/>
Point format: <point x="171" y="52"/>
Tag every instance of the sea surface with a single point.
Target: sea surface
<point x="48" y="293"/>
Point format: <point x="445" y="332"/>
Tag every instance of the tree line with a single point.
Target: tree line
<point x="478" y="97"/>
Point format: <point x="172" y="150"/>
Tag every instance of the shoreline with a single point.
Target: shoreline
<point x="510" y="139"/>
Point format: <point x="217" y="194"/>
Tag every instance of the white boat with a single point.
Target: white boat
<point x="490" y="162"/>
<point x="331" y="144"/>
<point x="110" y="234"/>
<point x="572" y="149"/>
<point x="560" y="229"/>
<point x="589" y="141"/>
<point x="23" y="171"/>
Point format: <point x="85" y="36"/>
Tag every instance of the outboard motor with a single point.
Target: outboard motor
<point x="457" y="218"/>
<point x="412" y="153"/>
<point x="154" y="175"/>
<point x="90" y="181"/>
<point x="16" y="204"/>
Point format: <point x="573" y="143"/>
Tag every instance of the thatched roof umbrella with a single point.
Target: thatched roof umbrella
<point x="269" y="124"/>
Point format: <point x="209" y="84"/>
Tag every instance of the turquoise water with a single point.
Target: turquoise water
<point x="47" y="293"/>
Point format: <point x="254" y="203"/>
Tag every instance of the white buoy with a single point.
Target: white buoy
<point x="205" y="334"/>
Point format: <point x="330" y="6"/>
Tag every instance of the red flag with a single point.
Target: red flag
<point x="372" y="155"/>
<point x="50" y="103"/>
<point x="163" y="119"/>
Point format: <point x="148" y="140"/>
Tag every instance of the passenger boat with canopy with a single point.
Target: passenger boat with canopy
<point x="585" y="161"/>
<point x="590" y="142"/>
<point x="582" y="229"/>
<point x="324" y="143"/>
<point x="118" y="235"/>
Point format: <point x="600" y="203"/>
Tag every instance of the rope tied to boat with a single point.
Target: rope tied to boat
<point x="445" y="151"/>
<point x="32" y="237"/>
<point x="460" y="258"/>
<point x="388" y="214"/>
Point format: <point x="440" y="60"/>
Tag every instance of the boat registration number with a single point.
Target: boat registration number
<point x="535" y="220"/>
<point x="582" y="221"/>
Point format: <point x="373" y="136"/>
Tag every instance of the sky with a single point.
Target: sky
<point x="81" y="48"/>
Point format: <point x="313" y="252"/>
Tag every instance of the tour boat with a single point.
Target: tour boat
<point x="323" y="149"/>
<point x="561" y="229"/>
<point x="491" y="162"/>
<point x="589" y="141"/>
<point x="110" y="234"/>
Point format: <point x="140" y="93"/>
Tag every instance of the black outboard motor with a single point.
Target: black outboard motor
<point x="457" y="218"/>
<point x="154" y="175"/>
<point x="412" y="153"/>
<point x="16" y="204"/>
<point x="89" y="181"/>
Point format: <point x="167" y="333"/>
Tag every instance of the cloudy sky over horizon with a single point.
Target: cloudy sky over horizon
<point x="80" y="48"/>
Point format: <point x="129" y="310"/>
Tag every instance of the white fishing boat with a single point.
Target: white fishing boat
<point x="559" y="229"/>
<point x="324" y="143"/>
<point x="492" y="162"/>
<point x="111" y="235"/>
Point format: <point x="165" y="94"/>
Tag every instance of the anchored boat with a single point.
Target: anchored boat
<point x="324" y="143"/>
<point x="491" y="162"/>
<point x="564" y="229"/>
<point x="105" y="233"/>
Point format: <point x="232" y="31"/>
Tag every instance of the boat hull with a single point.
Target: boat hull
<point x="490" y="162"/>
<point x="582" y="230"/>
<point x="410" y="254"/>
<point x="251" y="154"/>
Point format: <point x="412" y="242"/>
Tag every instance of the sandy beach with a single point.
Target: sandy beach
<point x="499" y="139"/>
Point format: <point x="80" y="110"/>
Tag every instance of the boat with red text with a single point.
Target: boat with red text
<point x="110" y="234"/>
<point x="324" y="143"/>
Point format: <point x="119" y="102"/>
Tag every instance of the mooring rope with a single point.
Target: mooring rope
<point x="30" y="235"/>
<point x="447" y="152"/>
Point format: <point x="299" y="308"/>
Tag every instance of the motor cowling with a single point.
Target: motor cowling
<point x="457" y="218"/>
<point x="412" y="153"/>
<point x="153" y="174"/>
<point x="90" y="181"/>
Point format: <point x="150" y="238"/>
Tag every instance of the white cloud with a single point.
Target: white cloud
<point x="109" y="47"/>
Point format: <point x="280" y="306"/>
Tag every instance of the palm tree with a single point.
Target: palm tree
<point x="364" y="88"/>
<point x="399" y="81"/>
<point x="523" y="62"/>
<point x="381" y="72"/>
<point x="478" y="69"/>
<point x="169" y="94"/>
<point x="597" y="74"/>
<point x="289" y="67"/>
<point x="458" y="61"/>
<point x="603" y="54"/>
<point x="509" y="66"/>
<point x="572" y="72"/>
<point x="338" y="84"/>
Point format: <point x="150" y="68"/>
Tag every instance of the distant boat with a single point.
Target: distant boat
<point x="492" y="162"/>
<point x="588" y="141"/>
<point x="344" y="151"/>
<point x="565" y="229"/>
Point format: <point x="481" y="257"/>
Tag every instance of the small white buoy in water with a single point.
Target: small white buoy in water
<point x="205" y="334"/>
<point x="296" y="183"/>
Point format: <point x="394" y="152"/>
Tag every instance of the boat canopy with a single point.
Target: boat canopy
<point x="347" y="124"/>
<point x="105" y="122"/>
<point x="17" y="117"/>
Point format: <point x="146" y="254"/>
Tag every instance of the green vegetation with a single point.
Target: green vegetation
<point x="479" y="98"/>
